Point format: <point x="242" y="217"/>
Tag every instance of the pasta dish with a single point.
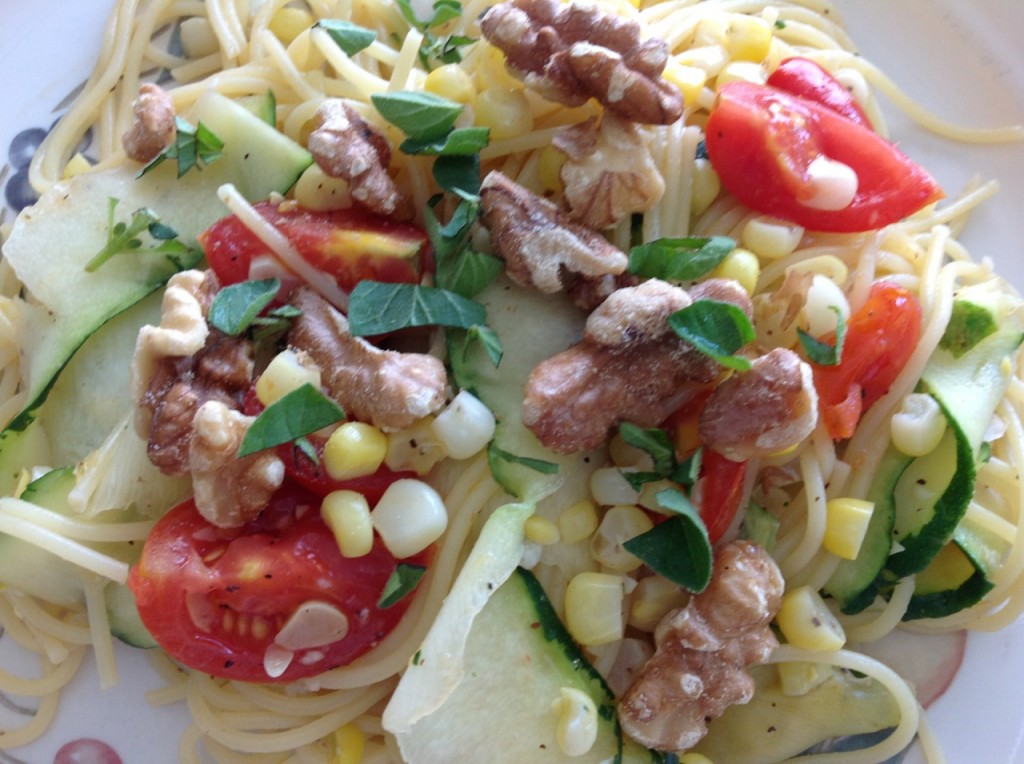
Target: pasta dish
<point x="585" y="380"/>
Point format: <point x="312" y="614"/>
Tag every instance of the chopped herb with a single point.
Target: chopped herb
<point x="463" y="141"/>
<point x="820" y="352"/>
<point x="683" y="259"/>
<point x="417" y="658"/>
<point x="192" y="147"/>
<point x="459" y="174"/>
<point x="377" y="307"/>
<point x="350" y="37"/>
<point x="678" y="548"/>
<point x="235" y="307"/>
<point x="421" y="116"/>
<point x="702" y="150"/>
<point x="299" y="413"/>
<point x="488" y="339"/>
<point x="402" y="582"/>
<point x="654" y="442"/>
<point x="444" y="50"/>
<point x="495" y="454"/>
<point x="125" y="237"/>
<point x="780" y="23"/>
<point x="717" y="329"/>
<point x="275" y="323"/>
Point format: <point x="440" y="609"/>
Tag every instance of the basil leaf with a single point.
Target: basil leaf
<point x="538" y="465"/>
<point x="687" y="472"/>
<point x="717" y="329"/>
<point x="678" y="548"/>
<point x="307" y="449"/>
<point x="400" y="584"/>
<point x="376" y="307"/>
<point x="421" y="116"/>
<point x="236" y="307"/>
<point x="300" y="412"/>
<point x="462" y="141"/>
<point x="653" y="441"/>
<point x="444" y="10"/>
<point x="469" y="273"/>
<point x="490" y="341"/>
<point x="684" y="259"/>
<point x="820" y="352"/>
<point x="350" y="37"/>
<point x="459" y="174"/>
<point x="192" y="147"/>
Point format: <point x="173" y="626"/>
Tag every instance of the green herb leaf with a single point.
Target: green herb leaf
<point x="652" y="441"/>
<point x="678" y="548"/>
<point x="469" y="273"/>
<point x="489" y="340"/>
<point x="717" y="329"/>
<point x="192" y="147"/>
<point x="376" y="307"/>
<point x="307" y="449"/>
<point x="350" y="37"/>
<point x="443" y="11"/>
<point x="420" y="115"/>
<point x="300" y="412"/>
<point x="402" y="582"/>
<point x="124" y="237"/>
<point x="538" y="465"/>
<point x="820" y="352"/>
<point x="236" y="307"/>
<point x="463" y="141"/>
<point x="684" y="259"/>
<point x="459" y="174"/>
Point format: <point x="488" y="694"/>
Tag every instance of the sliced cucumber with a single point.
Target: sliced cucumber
<point x="123" y="615"/>
<point x="263" y="106"/>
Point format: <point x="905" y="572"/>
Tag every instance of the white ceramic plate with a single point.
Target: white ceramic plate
<point x="959" y="60"/>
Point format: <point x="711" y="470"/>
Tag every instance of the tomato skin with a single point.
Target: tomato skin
<point x="880" y="338"/>
<point x="191" y="571"/>
<point x="804" y="78"/>
<point x="761" y="141"/>
<point x="350" y="245"/>
<point x="718" y="491"/>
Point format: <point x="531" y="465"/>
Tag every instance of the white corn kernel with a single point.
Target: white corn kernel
<point x="409" y="517"/>
<point x="770" y="237"/>
<point x="287" y="371"/>
<point x="577" y="522"/>
<point x="824" y="298"/>
<point x="506" y="112"/>
<point x="576" y="731"/>
<point x="806" y="621"/>
<point x="653" y="598"/>
<point x="415" y="448"/>
<point x="609" y="487"/>
<point x="846" y="524"/>
<point x="450" y="81"/>
<point x="355" y="449"/>
<point x="540" y="530"/>
<point x="197" y="37"/>
<point x="740" y="265"/>
<point x="918" y="427"/>
<point x="593" y="608"/>
<point x="834" y="184"/>
<point x="706" y="186"/>
<point x="347" y="514"/>
<point x="619" y="524"/>
<point x="465" y="426"/>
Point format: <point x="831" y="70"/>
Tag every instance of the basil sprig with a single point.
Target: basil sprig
<point x="717" y="329"/>
<point x="192" y="147"/>
<point x="685" y="259"/>
<point x="658" y="445"/>
<point x="678" y="548"/>
<point x="400" y="584"/>
<point x="435" y="49"/>
<point x="351" y="38"/>
<point x="377" y="307"/>
<point x="293" y="416"/>
<point x="420" y="115"/>
<point x="820" y="352"/>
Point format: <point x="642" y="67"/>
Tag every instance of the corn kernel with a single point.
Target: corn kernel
<point x="540" y="530"/>
<point x="609" y="487"/>
<point x="549" y="169"/>
<point x="347" y="514"/>
<point x="287" y="371"/>
<point x="576" y="731"/>
<point x="465" y="426"/>
<point x="415" y="448"/>
<point x="770" y="237"/>
<point x="77" y="165"/>
<point x="451" y="81"/>
<point x="619" y="524"/>
<point x="741" y="71"/>
<point x="689" y="79"/>
<point x="709" y="58"/>
<point x="800" y="677"/>
<point x="593" y="608"/>
<point x="652" y="599"/>
<point x="748" y="38"/>
<point x="824" y="298"/>
<point x="917" y="428"/>
<point x="706" y="186"/>
<point x="740" y="265"/>
<point x="806" y="621"/>
<point x="492" y="72"/>
<point x="349" y="745"/>
<point x="624" y="454"/>
<point x="846" y="524"/>
<point x="409" y="517"/>
<point x="577" y="522"/>
<point x="354" y="450"/>
<point x="506" y="112"/>
<point x="288" y="23"/>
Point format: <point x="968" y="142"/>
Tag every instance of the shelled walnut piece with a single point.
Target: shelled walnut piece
<point x="702" y="652"/>
<point x="572" y="52"/>
<point x="153" y="127"/>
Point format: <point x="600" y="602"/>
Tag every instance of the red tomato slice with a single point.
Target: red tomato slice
<point x="880" y="338"/>
<point x="351" y="245"/>
<point x="718" y="491"/>
<point x="214" y="599"/>
<point x="761" y="142"/>
<point x="804" y="78"/>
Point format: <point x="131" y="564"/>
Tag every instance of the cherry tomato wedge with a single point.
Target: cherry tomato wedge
<point x="880" y="338"/>
<point x="215" y="599"/>
<point x="351" y="245"/>
<point x="762" y="141"/>
<point x="804" y="78"/>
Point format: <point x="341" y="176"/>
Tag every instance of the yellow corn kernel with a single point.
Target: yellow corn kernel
<point x="349" y="745"/>
<point x="347" y="514"/>
<point x="800" y="677"/>
<point x="288" y="23"/>
<point x="354" y="449"/>
<point x="287" y="371"/>
<point x="541" y="530"/>
<point x="740" y="265"/>
<point x="689" y="79"/>
<point x="506" y="112"/>
<point x="748" y="38"/>
<point x="846" y="523"/>
<point x="806" y="621"/>
<point x="549" y="169"/>
<point x="77" y="165"/>
<point x="415" y="448"/>
<point x="576" y="731"/>
<point x="491" y="70"/>
<point x="652" y="599"/>
<point x="706" y="186"/>
<point x="577" y="522"/>
<point x="770" y="237"/>
<point x="593" y="608"/>
<point x="451" y="81"/>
